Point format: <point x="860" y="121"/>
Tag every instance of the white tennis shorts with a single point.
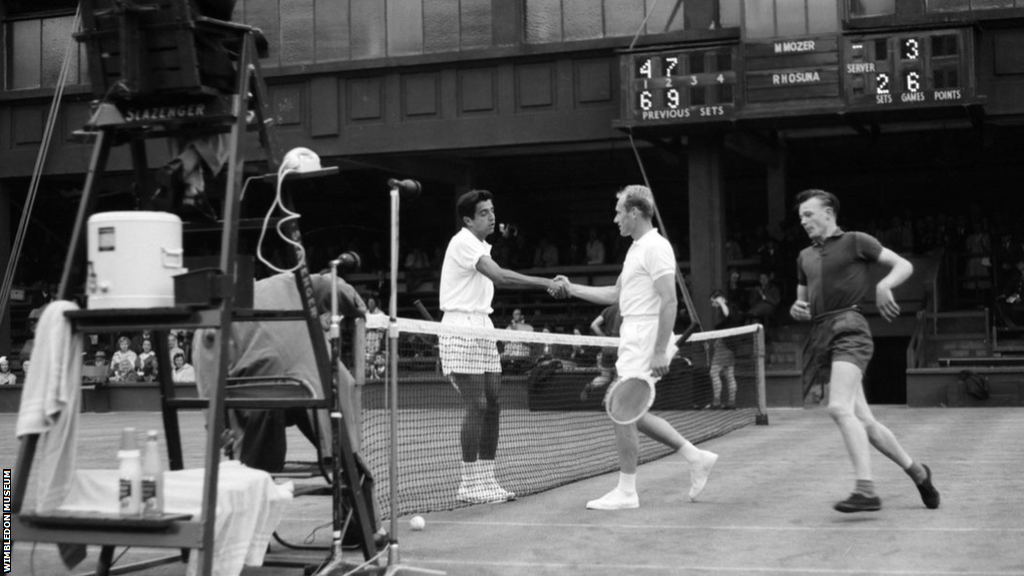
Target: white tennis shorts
<point x="462" y="355"/>
<point x="637" y="336"/>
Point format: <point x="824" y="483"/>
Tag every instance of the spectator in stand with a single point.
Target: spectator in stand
<point x="595" y="248"/>
<point x="25" y="354"/>
<point x="723" y="358"/>
<point x="378" y="368"/>
<point x="173" y="347"/>
<point x="764" y="298"/>
<point x="734" y="248"/>
<point x="979" y="250"/>
<point x="183" y="371"/>
<point x="372" y="307"/>
<point x="769" y="257"/>
<point x="417" y="259"/>
<point x="606" y="324"/>
<point x="1009" y="306"/>
<point x="517" y="349"/>
<point x="7" y="378"/>
<point x="1004" y="253"/>
<point x="736" y="294"/>
<point x="137" y="339"/>
<point x="97" y="370"/>
<point x="374" y="336"/>
<point x="122" y="365"/>
<point x="417" y="267"/>
<point x="145" y="365"/>
<point x="546" y="254"/>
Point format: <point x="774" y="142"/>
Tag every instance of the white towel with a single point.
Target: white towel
<point x="50" y="403"/>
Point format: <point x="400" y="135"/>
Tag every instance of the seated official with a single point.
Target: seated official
<point x="278" y="348"/>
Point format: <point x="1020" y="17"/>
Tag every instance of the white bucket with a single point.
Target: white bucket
<point x="133" y="258"/>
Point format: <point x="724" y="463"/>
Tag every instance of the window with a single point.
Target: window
<point x="778" y="18"/>
<point x="22" y="8"/>
<point x="872" y="7"/>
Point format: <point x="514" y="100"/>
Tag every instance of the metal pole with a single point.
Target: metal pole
<point x="393" y="378"/>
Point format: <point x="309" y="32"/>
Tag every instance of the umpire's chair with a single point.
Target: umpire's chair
<point x="159" y="69"/>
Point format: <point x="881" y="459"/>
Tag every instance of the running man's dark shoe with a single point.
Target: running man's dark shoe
<point x="858" y="502"/>
<point x="929" y="495"/>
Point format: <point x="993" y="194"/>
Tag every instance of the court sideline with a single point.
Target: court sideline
<point x="766" y="510"/>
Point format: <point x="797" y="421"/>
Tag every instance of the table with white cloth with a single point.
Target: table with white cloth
<point x="250" y="505"/>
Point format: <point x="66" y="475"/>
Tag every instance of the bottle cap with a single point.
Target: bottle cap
<point x="151" y="435"/>
<point x="128" y="440"/>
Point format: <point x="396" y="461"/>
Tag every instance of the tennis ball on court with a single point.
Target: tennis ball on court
<point x="417" y="523"/>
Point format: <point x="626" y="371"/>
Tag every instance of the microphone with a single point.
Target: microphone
<point x="349" y="262"/>
<point x="409" y="188"/>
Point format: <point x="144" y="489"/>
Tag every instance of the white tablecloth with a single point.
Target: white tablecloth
<point x="249" y="507"/>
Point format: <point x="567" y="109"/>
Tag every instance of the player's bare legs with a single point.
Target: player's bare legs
<point x="843" y="388"/>
<point x="479" y="437"/>
<point x="879" y="435"/>
<point x="716" y="385"/>
<point x="700" y="461"/>
<point x="849" y="408"/>
<point x="627" y="442"/>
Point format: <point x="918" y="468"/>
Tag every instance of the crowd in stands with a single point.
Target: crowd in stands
<point x="135" y="359"/>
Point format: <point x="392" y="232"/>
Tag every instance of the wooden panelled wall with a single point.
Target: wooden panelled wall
<point x="351" y="77"/>
<point x="362" y="32"/>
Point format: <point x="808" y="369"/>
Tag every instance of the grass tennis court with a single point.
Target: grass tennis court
<point x="766" y="510"/>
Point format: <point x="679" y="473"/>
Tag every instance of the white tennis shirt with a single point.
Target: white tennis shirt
<point x="649" y="258"/>
<point x="463" y="287"/>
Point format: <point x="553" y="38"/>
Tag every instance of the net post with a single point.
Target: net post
<point x="759" y="353"/>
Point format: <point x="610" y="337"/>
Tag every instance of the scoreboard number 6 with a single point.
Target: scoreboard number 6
<point x="913" y="82"/>
<point x="645" y="100"/>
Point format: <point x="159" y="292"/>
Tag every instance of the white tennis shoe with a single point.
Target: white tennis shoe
<point x="615" y="500"/>
<point x="481" y="493"/>
<point x="699" y="472"/>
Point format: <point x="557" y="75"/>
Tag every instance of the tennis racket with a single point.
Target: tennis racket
<point x="629" y="399"/>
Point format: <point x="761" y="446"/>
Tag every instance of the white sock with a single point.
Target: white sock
<point x="627" y="482"/>
<point x="486" y="469"/>
<point x="471" y="472"/>
<point x="689" y="451"/>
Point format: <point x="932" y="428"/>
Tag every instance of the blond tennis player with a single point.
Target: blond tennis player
<point x="468" y="276"/>
<point x="646" y="293"/>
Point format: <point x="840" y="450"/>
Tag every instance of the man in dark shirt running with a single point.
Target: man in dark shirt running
<point x="832" y="280"/>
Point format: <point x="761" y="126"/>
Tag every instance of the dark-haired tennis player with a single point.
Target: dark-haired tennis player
<point x="832" y="280"/>
<point x="468" y="276"/>
<point x="646" y="293"/>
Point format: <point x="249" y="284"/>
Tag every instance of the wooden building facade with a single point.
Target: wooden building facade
<point x="538" y="100"/>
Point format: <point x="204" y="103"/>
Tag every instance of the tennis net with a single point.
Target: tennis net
<point x="553" y="428"/>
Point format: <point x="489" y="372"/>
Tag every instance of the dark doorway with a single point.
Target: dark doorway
<point x="886" y="378"/>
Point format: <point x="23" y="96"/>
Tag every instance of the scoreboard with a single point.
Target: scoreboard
<point x="896" y="70"/>
<point x="679" y="86"/>
<point x="910" y="69"/>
